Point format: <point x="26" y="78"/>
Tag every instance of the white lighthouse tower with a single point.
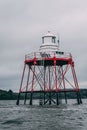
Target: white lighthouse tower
<point x="49" y="43"/>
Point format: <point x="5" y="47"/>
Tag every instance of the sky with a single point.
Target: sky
<point x="23" y="23"/>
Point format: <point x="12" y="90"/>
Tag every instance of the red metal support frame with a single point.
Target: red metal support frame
<point x="22" y="78"/>
<point x="44" y="79"/>
<point x="63" y="79"/>
<point x="27" y="84"/>
<point x="28" y="78"/>
<point x="48" y="76"/>
<point x="49" y="79"/>
<point x="17" y="103"/>
<point x="32" y="88"/>
<point x="36" y="77"/>
<point x="64" y="86"/>
<point x="56" y="83"/>
<point x="64" y="72"/>
<point x="74" y="77"/>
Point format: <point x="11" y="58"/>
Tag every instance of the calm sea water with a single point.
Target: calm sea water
<point x="63" y="117"/>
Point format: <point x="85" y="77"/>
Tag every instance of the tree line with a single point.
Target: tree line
<point x="10" y="95"/>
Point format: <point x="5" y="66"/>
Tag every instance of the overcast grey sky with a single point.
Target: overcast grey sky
<point x="22" y="24"/>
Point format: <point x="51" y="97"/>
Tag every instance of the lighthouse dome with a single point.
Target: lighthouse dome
<point x="49" y="43"/>
<point x="49" y="34"/>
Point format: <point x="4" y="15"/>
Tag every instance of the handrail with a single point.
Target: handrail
<point x="48" y="54"/>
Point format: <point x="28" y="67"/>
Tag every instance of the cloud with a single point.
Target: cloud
<point x="22" y="24"/>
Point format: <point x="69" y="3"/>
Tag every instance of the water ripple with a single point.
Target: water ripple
<point x="63" y="117"/>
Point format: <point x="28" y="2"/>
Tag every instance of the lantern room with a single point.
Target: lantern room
<point x="49" y="43"/>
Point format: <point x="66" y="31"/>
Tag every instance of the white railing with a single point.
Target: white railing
<point x="42" y="55"/>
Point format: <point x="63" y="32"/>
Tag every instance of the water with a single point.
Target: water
<point x="63" y="117"/>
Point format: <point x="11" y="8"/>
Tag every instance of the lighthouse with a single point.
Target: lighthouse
<point x="48" y="73"/>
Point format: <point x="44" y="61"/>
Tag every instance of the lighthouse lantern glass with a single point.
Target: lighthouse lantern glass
<point x="53" y="39"/>
<point x="48" y="39"/>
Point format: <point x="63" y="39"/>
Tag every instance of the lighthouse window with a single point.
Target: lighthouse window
<point x="53" y="40"/>
<point x="47" y="39"/>
<point x="42" y="40"/>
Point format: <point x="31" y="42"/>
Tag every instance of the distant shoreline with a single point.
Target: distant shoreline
<point x="10" y="95"/>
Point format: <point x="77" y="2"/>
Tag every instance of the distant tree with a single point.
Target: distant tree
<point x="10" y="91"/>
